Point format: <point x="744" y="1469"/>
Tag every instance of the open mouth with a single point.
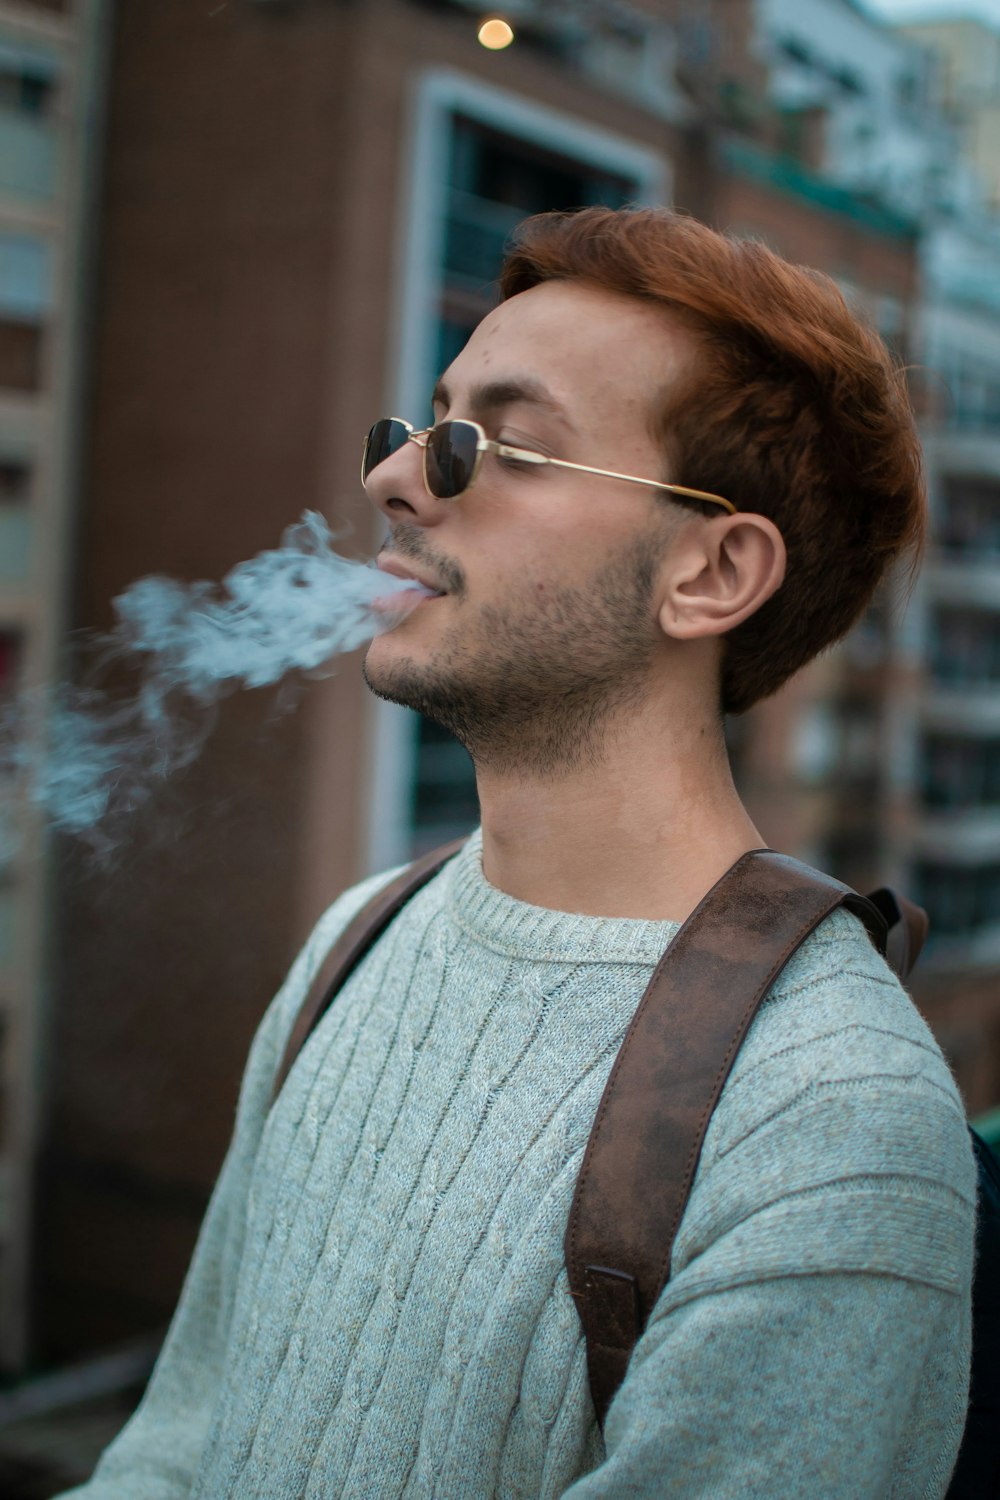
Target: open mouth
<point x="403" y="601"/>
<point x="406" y="592"/>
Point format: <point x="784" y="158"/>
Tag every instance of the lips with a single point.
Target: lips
<point x="400" y="570"/>
<point x="402" y="601"/>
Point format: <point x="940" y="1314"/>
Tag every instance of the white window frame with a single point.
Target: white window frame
<point x="438" y="95"/>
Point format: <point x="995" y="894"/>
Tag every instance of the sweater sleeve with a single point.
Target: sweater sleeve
<point x="156" y="1455"/>
<point x="814" y="1339"/>
<point x="800" y="1388"/>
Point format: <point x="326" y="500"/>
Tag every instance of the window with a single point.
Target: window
<point x="15" y="481"/>
<point x="10" y="661"/>
<point x="849" y="81"/>
<point x="445" y="792"/>
<point x="960" y="900"/>
<point x="969" y="518"/>
<point x="867" y="645"/>
<point x="960" y="772"/>
<point x="29" y="99"/>
<point x="796" y="52"/>
<point x="853" y="855"/>
<point x="494" y="181"/>
<point x="25" y="90"/>
<point x="25" y="300"/>
<point x="908" y="90"/>
<point x="964" y="647"/>
<point x="975" y="398"/>
<point x="481" y="159"/>
<point x="16" y="520"/>
<point x="10" y="667"/>
<point x="836" y="741"/>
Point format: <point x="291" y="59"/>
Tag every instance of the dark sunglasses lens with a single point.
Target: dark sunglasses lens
<point x="383" y="440"/>
<point x="451" y="458"/>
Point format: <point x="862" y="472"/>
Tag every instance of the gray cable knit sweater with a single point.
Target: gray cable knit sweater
<point x="378" y="1305"/>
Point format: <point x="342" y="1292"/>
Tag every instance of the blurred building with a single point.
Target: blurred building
<point x="953" y="833"/>
<point x="302" y="211"/>
<point x="968" y="89"/>
<point x="906" y="750"/>
<point x="50" y="81"/>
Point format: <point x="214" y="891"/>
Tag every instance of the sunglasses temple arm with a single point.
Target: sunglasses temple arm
<point x="563" y="463"/>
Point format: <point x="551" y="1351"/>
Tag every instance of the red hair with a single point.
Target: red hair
<point x="797" y="411"/>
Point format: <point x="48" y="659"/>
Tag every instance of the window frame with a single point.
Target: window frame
<point x="439" y="95"/>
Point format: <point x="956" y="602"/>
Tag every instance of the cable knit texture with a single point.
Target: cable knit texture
<point x="378" y="1304"/>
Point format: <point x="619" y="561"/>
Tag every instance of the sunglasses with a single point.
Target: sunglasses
<point x="453" y="454"/>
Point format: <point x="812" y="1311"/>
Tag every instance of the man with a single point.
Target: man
<point x="378" y="1305"/>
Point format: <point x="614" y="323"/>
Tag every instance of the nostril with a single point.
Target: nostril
<point x="395" y="503"/>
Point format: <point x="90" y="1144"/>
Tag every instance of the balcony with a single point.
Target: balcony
<point x="963" y="451"/>
<point x="961" y="891"/>
<point x="959" y="773"/>
<point x="962" y="953"/>
<point x="966" y="837"/>
<point x="965" y="710"/>
<point x="476" y="232"/>
<point x="970" y="581"/>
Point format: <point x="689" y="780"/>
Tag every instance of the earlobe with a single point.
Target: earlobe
<point x="727" y="570"/>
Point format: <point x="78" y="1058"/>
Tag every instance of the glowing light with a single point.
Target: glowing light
<point x="496" y="34"/>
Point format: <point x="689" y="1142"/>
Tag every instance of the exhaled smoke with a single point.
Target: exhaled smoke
<point x="83" y="757"/>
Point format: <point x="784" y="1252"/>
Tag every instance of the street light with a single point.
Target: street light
<point x="495" y="33"/>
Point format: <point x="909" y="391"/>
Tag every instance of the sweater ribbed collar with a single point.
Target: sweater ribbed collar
<point x="507" y="925"/>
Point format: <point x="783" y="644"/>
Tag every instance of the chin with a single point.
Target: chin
<point x="391" y="673"/>
<point x="426" y="689"/>
<point x="386" y="656"/>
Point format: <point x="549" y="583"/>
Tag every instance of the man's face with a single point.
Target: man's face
<point x="548" y="625"/>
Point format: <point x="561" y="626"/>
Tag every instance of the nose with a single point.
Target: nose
<point x="396" y="486"/>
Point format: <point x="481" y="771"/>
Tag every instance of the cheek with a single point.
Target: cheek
<point x="551" y="541"/>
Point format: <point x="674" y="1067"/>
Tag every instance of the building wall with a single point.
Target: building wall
<point x="51" y="60"/>
<point x="969" y="85"/>
<point x="952" y="835"/>
<point x="212" y="386"/>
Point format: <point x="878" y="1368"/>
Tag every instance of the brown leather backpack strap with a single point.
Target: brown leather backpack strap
<point x="358" y="936"/>
<point x="907" y="925"/>
<point x="665" y="1083"/>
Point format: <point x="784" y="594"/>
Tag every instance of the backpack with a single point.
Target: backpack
<point x="665" y="1082"/>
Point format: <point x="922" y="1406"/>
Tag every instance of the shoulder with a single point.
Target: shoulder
<point x="272" y="1034"/>
<point x="841" y="1127"/>
<point x="836" y="1018"/>
<point x="334" y="920"/>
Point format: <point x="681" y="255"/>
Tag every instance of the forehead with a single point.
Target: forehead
<point x="595" y="351"/>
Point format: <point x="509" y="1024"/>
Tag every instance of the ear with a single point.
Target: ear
<point x="719" y="573"/>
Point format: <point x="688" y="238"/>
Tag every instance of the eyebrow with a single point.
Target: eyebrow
<point x="519" y="390"/>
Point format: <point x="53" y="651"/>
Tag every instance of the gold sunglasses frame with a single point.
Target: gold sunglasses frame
<point x="486" y="445"/>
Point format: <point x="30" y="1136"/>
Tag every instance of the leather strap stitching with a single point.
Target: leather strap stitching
<point x="809" y="925"/>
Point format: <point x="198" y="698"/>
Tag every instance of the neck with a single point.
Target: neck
<point x="642" y="831"/>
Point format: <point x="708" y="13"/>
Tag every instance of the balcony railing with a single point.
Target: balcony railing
<point x="966" y="574"/>
<point x="964" y="644"/>
<point x="476" y="232"/>
<point x="965" y="710"/>
<point x="963" y="902"/>
<point x="960" y="836"/>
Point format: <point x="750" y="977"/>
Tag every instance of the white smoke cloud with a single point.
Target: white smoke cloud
<point x="84" y="758"/>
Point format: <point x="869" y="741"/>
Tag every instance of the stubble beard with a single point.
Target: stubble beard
<point x="542" y="684"/>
